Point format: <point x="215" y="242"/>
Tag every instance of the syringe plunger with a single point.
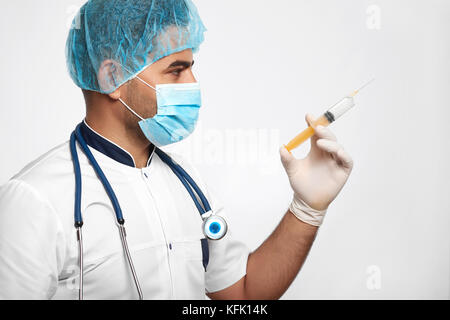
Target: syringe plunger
<point x="331" y="115"/>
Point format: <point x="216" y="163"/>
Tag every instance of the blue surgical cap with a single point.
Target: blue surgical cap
<point x="111" y="41"/>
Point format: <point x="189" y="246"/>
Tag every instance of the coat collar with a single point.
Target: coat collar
<point x="109" y="148"/>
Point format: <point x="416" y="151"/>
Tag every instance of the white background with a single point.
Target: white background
<point x="263" y="65"/>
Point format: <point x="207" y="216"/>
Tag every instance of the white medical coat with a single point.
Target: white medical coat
<point x="39" y="248"/>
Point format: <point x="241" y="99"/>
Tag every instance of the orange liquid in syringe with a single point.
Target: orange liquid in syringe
<point x="307" y="133"/>
<point x="333" y="113"/>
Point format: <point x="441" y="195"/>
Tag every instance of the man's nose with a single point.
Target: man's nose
<point x="189" y="78"/>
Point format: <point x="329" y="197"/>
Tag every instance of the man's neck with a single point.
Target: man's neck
<point x="129" y="139"/>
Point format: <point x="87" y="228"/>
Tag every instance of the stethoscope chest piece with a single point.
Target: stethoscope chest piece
<point x="214" y="227"/>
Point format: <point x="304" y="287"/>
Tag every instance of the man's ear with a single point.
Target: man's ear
<point x="109" y="76"/>
<point x="115" y="95"/>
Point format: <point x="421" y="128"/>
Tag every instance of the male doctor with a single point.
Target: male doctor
<point x="123" y="54"/>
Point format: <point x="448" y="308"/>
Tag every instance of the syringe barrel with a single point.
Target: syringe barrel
<point x="341" y="107"/>
<point x="331" y="115"/>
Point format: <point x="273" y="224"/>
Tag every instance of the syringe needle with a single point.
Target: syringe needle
<point x="358" y="90"/>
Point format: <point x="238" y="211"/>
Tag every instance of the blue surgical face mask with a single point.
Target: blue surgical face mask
<point x="178" y="108"/>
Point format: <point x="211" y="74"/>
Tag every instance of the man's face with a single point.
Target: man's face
<point x="175" y="68"/>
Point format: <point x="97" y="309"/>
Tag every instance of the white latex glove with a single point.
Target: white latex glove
<point x="319" y="177"/>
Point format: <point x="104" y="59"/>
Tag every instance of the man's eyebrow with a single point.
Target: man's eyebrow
<point x="182" y="63"/>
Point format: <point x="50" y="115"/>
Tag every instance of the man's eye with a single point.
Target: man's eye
<point x="176" y="72"/>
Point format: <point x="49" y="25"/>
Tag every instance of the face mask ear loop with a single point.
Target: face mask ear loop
<point x="131" y="110"/>
<point x="146" y="83"/>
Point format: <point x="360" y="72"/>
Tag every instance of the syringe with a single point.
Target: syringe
<point x="331" y="115"/>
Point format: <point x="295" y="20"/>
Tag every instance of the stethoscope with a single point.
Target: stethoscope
<point x="214" y="226"/>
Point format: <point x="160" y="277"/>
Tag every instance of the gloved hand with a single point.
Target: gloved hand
<point x="319" y="177"/>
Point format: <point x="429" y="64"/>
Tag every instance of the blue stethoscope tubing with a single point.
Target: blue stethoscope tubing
<point x="183" y="176"/>
<point x="214" y="227"/>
